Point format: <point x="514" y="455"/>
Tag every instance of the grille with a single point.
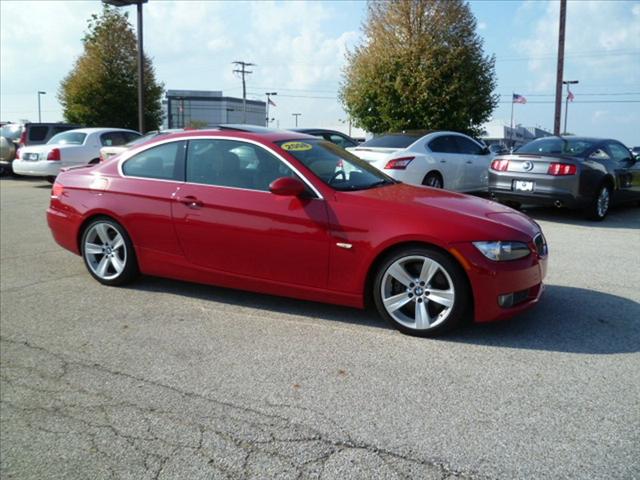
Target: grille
<point x="541" y="244"/>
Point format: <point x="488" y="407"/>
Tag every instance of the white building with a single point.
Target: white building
<point x="498" y="132"/>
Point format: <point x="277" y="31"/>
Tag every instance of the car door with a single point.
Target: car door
<point x="444" y="150"/>
<point x="227" y="219"/>
<point x="476" y="164"/>
<point x="627" y="171"/>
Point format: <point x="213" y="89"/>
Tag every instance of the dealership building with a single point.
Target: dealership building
<point x="499" y="133"/>
<point x="184" y="108"/>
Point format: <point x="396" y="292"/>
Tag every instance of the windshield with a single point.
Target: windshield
<point x="334" y="166"/>
<point x="11" y="131"/>
<point x="560" y="146"/>
<point x="392" y="140"/>
<point x="68" y="138"/>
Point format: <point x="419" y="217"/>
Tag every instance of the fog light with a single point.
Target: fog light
<point x="505" y="301"/>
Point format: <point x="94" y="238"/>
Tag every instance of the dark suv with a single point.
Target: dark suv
<point x="16" y="135"/>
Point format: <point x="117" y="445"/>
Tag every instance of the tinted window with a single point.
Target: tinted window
<point x="618" y="152"/>
<point x="57" y="130"/>
<point x="163" y="162"/>
<point x="112" y="139"/>
<point x="38" y="134"/>
<point x="334" y="166"/>
<point x="340" y="140"/>
<point x="444" y="144"/>
<point x="559" y="146"/>
<point x="391" y="141"/>
<point x="467" y="146"/>
<point x="68" y="138"/>
<point x="231" y="163"/>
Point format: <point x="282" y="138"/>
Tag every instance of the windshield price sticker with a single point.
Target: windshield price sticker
<point x="296" y="146"/>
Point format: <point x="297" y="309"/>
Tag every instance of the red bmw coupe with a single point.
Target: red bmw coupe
<point x="288" y="214"/>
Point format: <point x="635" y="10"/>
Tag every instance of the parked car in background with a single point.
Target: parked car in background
<point x="437" y="159"/>
<point x="573" y="172"/>
<point x="333" y="136"/>
<point x="67" y="149"/>
<point x="288" y="225"/>
<point x="112" y="150"/>
<point x="17" y="135"/>
<point x="498" y="149"/>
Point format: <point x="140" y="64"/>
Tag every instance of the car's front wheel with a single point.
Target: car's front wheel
<point x="600" y="204"/>
<point x="108" y="252"/>
<point x="422" y="291"/>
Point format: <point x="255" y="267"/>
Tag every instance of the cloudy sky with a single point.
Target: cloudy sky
<point x="299" y="50"/>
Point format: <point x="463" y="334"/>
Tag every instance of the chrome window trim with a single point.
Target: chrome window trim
<point x="216" y="137"/>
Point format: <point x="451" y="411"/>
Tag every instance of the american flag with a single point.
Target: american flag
<point x="271" y="102"/>
<point x="519" y="98"/>
<point x="570" y="96"/>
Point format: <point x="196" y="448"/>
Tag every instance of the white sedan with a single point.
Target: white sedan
<point x="440" y="159"/>
<point x="67" y="149"/>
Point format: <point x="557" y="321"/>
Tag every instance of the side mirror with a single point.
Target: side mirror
<point x="287" y="186"/>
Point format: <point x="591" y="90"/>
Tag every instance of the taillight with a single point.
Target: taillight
<point x="102" y="157"/>
<point x="54" y="154"/>
<point x="18" y="154"/>
<point x="500" y="165"/>
<point x="340" y="164"/>
<point x="398" y="163"/>
<point x="558" y="169"/>
<point x="57" y="190"/>
<point x="23" y="138"/>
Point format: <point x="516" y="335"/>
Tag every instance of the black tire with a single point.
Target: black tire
<point x="125" y="254"/>
<point x="433" y="180"/>
<point x="600" y="204"/>
<point x="51" y="179"/>
<point x="387" y="285"/>
<point x="5" y="170"/>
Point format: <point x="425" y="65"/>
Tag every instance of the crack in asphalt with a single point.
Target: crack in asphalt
<point x="113" y="424"/>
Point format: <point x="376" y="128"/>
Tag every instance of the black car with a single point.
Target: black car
<point x="573" y="172"/>
<point x="332" y="136"/>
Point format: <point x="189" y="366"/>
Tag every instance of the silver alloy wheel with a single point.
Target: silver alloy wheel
<point x="417" y="292"/>
<point x="602" y="204"/>
<point x="105" y="251"/>
<point x="434" y="181"/>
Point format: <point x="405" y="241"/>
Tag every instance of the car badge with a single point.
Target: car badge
<point x="527" y="166"/>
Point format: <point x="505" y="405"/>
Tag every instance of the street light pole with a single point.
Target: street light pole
<point x="138" y="3"/>
<point x="566" y="101"/>
<point x="296" y="115"/>
<point x="39" y="115"/>
<point x="269" y="95"/>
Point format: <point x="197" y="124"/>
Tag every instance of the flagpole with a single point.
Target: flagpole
<point x="566" y="110"/>
<point x="511" y="131"/>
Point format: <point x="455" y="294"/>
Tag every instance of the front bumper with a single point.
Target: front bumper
<point x="491" y="280"/>
<point x="39" y="168"/>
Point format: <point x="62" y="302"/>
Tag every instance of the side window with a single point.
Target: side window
<point x="113" y="139"/>
<point x="162" y="162"/>
<point x="599" y="154"/>
<point x="618" y="152"/>
<point x="444" y="144"/>
<point x="38" y="134"/>
<point x="468" y="147"/>
<point x="130" y="136"/>
<point x="340" y="140"/>
<point x="231" y="163"/>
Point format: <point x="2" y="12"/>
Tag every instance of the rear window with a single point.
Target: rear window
<point x="68" y="138"/>
<point x="396" y="140"/>
<point x="559" y="146"/>
<point x="38" y="134"/>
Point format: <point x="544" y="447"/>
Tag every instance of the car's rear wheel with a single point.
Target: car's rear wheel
<point x="434" y="180"/>
<point x="600" y="204"/>
<point x="51" y="178"/>
<point x="422" y="291"/>
<point x="108" y="252"/>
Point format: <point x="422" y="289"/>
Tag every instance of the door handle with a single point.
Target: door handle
<point x="191" y="201"/>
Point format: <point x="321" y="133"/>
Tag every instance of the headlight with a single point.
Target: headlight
<point x="501" y="251"/>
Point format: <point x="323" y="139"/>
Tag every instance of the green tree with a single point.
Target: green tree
<point x="421" y="66"/>
<point x="102" y="88"/>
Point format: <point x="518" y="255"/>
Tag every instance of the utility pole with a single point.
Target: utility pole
<point x="243" y="72"/>
<point x="559" y="72"/>
<point x="296" y="115"/>
<point x="566" y="102"/>
<point x="269" y="95"/>
<point x="39" y="116"/>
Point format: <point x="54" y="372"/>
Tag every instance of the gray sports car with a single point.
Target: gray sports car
<point x="573" y="172"/>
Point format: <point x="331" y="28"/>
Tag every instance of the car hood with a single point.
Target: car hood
<point x="445" y="212"/>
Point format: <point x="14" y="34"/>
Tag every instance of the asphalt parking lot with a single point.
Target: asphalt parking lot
<point x="165" y="379"/>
